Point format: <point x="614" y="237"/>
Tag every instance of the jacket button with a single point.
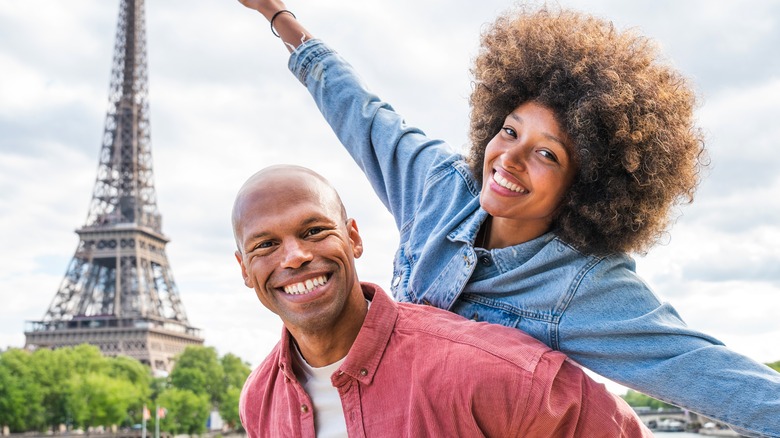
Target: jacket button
<point x="485" y="260"/>
<point x="304" y="409"/>
<point x="363" y="372"/>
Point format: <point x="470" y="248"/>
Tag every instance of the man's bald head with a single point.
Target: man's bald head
<point x="284" y="180"/>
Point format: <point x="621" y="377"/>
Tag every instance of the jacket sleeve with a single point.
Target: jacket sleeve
<point x="642" y="343"/>
<point x="395" y="157"/>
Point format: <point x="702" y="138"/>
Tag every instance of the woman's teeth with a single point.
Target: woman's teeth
<point x="503" y="182"/>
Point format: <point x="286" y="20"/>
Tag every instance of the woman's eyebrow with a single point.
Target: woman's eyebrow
<point x="547" y="135"/>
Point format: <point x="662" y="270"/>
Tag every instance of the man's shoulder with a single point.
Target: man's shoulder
<point x="484" y="340"/>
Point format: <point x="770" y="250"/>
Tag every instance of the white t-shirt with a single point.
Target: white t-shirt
<point x="329" y="419"/>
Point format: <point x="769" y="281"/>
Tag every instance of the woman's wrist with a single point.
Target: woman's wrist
<point x="275" y="16"/>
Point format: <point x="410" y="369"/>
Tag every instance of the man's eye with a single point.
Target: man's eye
<point x="263" y="245"/>
<point x="314" y="231"/>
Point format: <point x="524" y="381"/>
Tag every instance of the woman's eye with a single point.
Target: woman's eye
<point x="509" y="131"/>
<point x="548" y="155"/>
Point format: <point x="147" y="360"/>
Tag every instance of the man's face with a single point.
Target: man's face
<point x="297" y="250"/>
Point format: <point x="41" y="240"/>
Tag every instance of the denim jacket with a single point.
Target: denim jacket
<point x="594" y="309"/>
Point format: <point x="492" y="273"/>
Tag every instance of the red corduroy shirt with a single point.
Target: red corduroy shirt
<point x="417" y="371"/>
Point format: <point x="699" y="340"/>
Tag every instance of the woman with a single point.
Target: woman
<point x="581" y="143"/>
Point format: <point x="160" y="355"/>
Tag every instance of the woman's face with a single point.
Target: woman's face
<point x="527" y="169"/>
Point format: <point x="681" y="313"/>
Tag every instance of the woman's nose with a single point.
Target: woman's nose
<point x="515" y="158"/>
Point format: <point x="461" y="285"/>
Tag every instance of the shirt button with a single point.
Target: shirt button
<point x="396" y="280"/>
<point x="363" y="372"/>
<point x="485" y="260"/>
<point x="304" y="409"/>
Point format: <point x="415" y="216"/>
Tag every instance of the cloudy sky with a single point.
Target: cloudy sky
<point x="224" y="105"/>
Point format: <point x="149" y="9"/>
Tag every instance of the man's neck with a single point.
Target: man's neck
<point x="324" y="347"/>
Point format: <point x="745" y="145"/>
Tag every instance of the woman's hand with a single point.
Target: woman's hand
<point x="266" y="7"/>
<point x="284" y="25"/>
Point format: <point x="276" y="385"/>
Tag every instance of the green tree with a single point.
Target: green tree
<point x="236" y="372"/>
<point x="228" y="409"/>
<point x="775" y="365"/>
<point x="187" y="412"/>
<point x="198" y="369"/>
<point x="636" y="399"/>
<point x="80" y="387"/>
<point x="127" y="368"/>
<point x="98" y="399"/>
<point x="54" y="369"/>
<point x="140" y="376"/>
<point x="20" y="395"/>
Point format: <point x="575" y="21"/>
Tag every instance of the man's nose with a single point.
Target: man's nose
<point x="295" y="254"/>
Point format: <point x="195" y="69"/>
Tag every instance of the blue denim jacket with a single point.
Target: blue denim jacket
<point x="594" y="309"/>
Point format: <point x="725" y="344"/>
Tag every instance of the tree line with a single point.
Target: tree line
<point x="80" y="388"/>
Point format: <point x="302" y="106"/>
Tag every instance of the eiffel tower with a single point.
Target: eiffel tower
<point x="118" y="292"/>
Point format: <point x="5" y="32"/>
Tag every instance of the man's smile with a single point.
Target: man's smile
<point x="305" y="286"/>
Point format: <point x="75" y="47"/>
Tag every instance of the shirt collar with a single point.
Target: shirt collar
<point x="369" y="346"/>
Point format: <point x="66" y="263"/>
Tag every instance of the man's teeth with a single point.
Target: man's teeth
<point x="503" y="182"/>
<point x="305" y="287"/>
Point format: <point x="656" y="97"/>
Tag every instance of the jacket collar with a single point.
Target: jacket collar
<point x="466" y="231"/>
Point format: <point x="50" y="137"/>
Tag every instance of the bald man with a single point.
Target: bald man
<point x="352" y="362"/>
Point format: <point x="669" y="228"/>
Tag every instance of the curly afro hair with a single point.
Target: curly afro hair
<point x="628" y="114"/>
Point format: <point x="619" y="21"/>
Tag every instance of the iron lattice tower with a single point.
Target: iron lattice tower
<point x="118" y="292"/>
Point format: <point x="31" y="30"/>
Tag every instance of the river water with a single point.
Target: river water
<point x="677" y="435"/>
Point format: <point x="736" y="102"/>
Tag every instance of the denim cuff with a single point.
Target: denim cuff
<point x="305" y="56"/>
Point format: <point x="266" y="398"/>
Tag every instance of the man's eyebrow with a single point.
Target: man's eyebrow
<point x="313" y="219"/>
<point x="255" y="237"/>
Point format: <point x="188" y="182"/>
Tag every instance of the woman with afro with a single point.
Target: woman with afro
<point x="582" y="142"/>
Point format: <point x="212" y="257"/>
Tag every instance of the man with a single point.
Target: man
<point x="354" y="362"/>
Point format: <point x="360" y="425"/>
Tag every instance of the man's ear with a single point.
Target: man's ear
<point x="240" y="260"/>
<point x="355" y="239"/>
